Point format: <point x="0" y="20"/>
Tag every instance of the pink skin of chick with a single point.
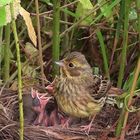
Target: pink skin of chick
<point x="50" y="88"/>
<point x="40" y="108"/>
<point x="51" y="120"/>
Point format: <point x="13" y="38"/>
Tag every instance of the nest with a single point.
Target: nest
<point x="103" y="127"/>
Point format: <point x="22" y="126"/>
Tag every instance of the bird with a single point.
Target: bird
<point x="78" y="92"/>
<point x="44" y="107"/>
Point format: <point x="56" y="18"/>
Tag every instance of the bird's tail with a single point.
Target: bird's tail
<point x="115" y="91"/>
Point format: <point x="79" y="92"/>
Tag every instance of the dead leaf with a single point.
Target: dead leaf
<point x="28" y="22"/>
<point x="14" y="86"/>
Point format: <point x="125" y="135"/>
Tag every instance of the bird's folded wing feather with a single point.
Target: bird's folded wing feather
<point x="98" y="87"/>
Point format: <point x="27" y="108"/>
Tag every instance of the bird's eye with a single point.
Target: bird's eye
<point x="71" y="65"/>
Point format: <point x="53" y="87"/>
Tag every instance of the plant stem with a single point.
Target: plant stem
<point x="6" y="54"/>
<point x="1" y="33"/>
<point x="125" y="40"/>
<point x="19" y="74"/>
<point x="119" y="23"/>
<point x="123" y="62"/>
<point x="138" y="13"/>
<point x="56" y="36"/>
<point x="119" y="125"/>
<point x="103" y="49"/>
<point x="66" y="37"/>
<point x="130" y="98"/>
<point x="39" y="44"/>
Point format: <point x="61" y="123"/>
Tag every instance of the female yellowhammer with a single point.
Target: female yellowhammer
<point x="78" y="92"/>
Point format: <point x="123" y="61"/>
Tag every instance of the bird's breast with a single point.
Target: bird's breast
<point x="73" y="100"/>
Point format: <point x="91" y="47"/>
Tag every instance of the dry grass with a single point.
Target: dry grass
<point x="103" y="127"/>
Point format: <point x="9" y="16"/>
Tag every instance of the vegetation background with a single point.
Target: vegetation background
<point x="107" y="32"/>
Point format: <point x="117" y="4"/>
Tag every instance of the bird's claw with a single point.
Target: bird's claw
<point x="86" y="128"/>
<point x="66" y="124"/>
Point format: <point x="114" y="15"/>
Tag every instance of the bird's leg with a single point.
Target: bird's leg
<point x="88" y="127"/>
<point x="66" y="123"/>
<point x="46" y="120"/>
<point x="40" y="117"/>
<point x="53" y="118"/>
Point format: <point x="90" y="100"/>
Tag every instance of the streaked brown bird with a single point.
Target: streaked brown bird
<point x="78" y="92"/>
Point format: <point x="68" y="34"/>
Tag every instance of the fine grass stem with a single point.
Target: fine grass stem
<point x="125" y="45"/>
<point x="123" y="62"/>
<point x="136" y="75"/>
<point x="39" y="43"/>
<point x="103" y="50"/>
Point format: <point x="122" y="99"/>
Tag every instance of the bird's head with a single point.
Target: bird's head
<point x="74" y="65"/>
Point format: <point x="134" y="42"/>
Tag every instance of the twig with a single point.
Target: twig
<point x="7" y="126"/>
<point x="39" y="43"/>
<point x="62" y="7"/>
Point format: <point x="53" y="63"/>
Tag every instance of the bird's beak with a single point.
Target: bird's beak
<point x="59" y="63"/>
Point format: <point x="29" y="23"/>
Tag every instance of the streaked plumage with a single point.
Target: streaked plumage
<point x="78" y="92"/>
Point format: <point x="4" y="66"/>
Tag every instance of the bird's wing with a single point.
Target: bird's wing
<point x="99" y="87"/>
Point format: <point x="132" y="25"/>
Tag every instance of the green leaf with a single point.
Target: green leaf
<point x="96" y="70"/>
<point x="86" y="4"/>
<point x="5" y="2"/>
<point x="30" y="48"/>
<point x="106" y="13"/>
<point x="69" y="12"/>
<point x="30" y="71"/>
<point x="2" y="16"/>
<point x="5" y="14"/>
<point x="83" y="8"/>
<point x="47" y="2"/>
<point x="129" y="82"/>
<point x="132" y="14"/>
<point x="110" y="7"/>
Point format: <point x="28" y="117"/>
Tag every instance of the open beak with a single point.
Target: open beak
<point x="60" y="63"/>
